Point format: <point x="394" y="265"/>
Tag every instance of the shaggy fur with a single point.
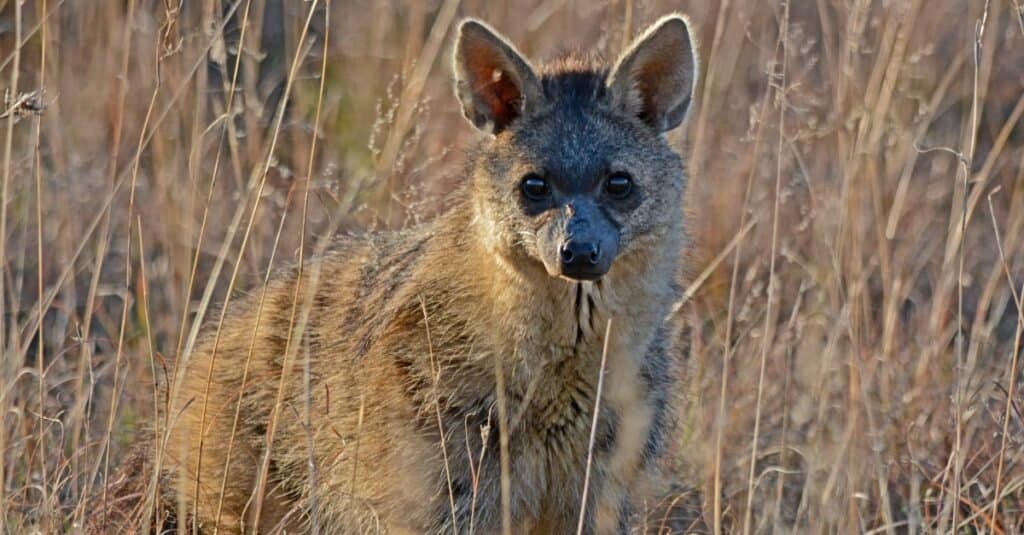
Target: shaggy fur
<point x="407" y="334"/>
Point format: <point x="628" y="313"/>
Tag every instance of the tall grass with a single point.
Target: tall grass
<point x="856" y="201"/>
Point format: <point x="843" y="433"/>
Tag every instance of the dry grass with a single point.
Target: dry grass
<point x="857" y="195"/>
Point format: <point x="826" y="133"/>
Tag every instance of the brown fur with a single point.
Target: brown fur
<point x="405" y="334"/>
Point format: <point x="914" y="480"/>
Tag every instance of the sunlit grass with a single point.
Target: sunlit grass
<point x="856" y="206"/>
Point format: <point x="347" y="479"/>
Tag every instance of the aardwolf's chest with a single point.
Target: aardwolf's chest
<point x="557" y="411"/>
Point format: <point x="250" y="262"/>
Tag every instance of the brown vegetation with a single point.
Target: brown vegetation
<point x="856" y="195"/>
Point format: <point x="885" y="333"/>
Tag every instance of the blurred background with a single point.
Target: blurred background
<point x="856" y="195"/>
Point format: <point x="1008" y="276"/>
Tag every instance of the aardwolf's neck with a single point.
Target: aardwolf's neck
<point x="512" y="305"/>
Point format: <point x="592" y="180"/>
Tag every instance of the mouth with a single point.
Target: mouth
<point x="582" y="275"/>
<point x="577" y="272"/>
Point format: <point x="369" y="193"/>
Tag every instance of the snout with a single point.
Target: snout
<point x="578" y="242"/>
<point x="583" y="260"/>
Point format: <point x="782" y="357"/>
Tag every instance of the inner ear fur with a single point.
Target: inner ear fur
<point x="654" y="79"/>
<point x="493" y="81"/>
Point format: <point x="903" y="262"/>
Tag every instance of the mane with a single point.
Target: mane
<point x="574" y="78"/>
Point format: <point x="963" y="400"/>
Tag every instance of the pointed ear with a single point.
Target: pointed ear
<point x="492" y="80"/>
<point x="655" y="77"/>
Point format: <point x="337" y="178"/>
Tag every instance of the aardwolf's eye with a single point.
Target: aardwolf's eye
<point x="535" y="187"/>
<point x="619" y="185"/>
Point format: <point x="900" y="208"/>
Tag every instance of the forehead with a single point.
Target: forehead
<point x="574" y="143"/>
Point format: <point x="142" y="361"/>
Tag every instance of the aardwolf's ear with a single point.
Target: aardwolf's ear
<point x="492" y="80"/>
<point x="655" y="77"/>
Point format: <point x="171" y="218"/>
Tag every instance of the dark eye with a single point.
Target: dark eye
<point x="535" y="187"/>
<point x="619" y="185"/>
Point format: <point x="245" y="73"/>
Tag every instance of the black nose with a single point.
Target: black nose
<point x="579" y="254"/>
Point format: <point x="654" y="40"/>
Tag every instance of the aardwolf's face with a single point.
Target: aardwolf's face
<point x="577" y="172"/>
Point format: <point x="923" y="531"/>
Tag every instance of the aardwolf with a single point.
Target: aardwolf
<point x="453" y="369"/>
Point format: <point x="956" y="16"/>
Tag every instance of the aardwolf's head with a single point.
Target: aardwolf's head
<point x="577" y="172"/>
